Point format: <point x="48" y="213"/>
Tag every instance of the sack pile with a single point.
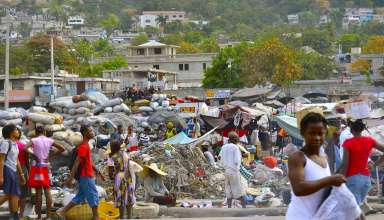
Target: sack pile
<point x="11" y="116"/>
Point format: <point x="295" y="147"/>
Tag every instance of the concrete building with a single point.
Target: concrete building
<point x="189" y="67"/>
<point x="26" y="90"/>
<point x="75" y="20"/>
<point x="143" y="78"/>
<point x="119" y="37"/>
<point x="293" y="19"/>
<point x="150" y="18"/>
<point x="149" y="21"/>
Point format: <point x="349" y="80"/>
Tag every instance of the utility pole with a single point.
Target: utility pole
<point x="6" y="81"/>
<point x="52" y="98"/>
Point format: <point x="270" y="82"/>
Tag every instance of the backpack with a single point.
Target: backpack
<point x="6" y="156"/>
<point x="73" y="157"/>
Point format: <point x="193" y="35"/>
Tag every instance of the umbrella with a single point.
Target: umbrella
<point x="167" y="116"/>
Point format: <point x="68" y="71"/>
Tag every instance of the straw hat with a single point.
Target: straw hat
<point x="154" y="168"/>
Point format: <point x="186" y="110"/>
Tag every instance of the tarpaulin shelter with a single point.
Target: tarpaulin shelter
<point x="289" y="124"/>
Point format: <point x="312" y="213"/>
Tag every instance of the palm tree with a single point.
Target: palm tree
<point x="161" y="21"/>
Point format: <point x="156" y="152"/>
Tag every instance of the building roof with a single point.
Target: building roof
<point x="151" y="44"/>
<point x="146" y="70"/>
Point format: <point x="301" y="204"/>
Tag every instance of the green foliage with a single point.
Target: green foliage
<point x="109" y="23"/>
<point x="225" y="71"/>
<point x="141" y="39"/>
<point x="347" y="41"/>
<point x="24" y="29"/>
<point x="103" y="48"/>
<point x="319" y="40"/>
<point x="316" y="66"/>
<point x="115" y="63"/>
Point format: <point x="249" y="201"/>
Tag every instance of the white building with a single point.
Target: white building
<point x="75" y="20"/>
<point x="149" y="21"/>
<point x="150" y="18"/>
<point x="293" y="19"/>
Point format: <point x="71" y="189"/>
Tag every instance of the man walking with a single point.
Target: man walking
<point x="231" y="160"/>
<point x="83" y="166"/>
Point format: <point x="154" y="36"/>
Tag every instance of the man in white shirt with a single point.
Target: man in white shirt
<point x="231" y="160"/>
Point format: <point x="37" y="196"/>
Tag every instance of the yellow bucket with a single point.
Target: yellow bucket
<point x="107" y="211"/>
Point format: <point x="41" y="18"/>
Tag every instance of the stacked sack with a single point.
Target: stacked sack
<point x="11" y="116"/>
<point x="69" y="140"/>
<point x="73" y="109"/>
<point x="115" y="105"/>
<point x="159" y="102"/>
<point x="51" y="122"/>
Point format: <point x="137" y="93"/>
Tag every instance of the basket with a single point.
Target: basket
<point x="79" y="212"/>
<point x="83" y="212"/>
<point x="107" y="211"/>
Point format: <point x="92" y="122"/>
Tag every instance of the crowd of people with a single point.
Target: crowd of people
<point x="324" y="161"/>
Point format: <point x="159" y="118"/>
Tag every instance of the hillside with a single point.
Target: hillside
<point x="225" y="15"/>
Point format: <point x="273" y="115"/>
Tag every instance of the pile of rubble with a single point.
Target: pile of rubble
<point x="189" y="174"/>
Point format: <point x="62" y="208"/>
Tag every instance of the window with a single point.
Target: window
<point x="147" y="21"/>
<point x="140" y="51"/>
<point x="181" y="67"/>
<point x="186" y="67"/>
<point x="180" y="16"/>
<point x="157" y="51"/>
<point x="204" y="66"/>
<point x="17" y="85"/>
<point x="174" y="16"/>
<point x="156" y="67"/>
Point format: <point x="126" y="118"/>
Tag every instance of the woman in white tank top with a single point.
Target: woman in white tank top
<point x="308" y="170"/>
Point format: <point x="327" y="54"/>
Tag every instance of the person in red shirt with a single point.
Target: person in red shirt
<point x="87" y="185"/>
<point x="355" y="161"/>
<point x="24" y="163"/>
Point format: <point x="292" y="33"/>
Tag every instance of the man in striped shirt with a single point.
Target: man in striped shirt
<point x="144" y="137"/>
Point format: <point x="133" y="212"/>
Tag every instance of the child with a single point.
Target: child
<point x="10" y="170"/>
<point x="308" y="170"/>
<point x="24" y="163"/>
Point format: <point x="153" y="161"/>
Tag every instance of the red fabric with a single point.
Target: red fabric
<point x="22" y="155"/>
<point x="270" y="162"/>
<point x="359" y="149"/>
<point x="133" y="148"/>
<point x="240" y="132"/>
<point x="85" y="156"/>
<point x="38" y="177"/>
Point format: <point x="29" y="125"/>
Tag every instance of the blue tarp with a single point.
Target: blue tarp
<point x="180" y="138"/>
<point x="289" y="124"/>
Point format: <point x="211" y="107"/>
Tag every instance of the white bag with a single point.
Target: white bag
<point x="53" y="128"/>
<point x="340" y="205"/>
<point x="113" y="102"/>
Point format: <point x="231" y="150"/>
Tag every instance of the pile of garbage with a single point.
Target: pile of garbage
<point x="189" y="174"/>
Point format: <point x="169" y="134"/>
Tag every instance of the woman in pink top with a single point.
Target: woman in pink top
<point x="41" y="146"/>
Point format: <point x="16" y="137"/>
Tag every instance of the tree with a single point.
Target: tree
<point x="209" y="45"/>
<point x="319" y="40"/>
<point x="161" y="21"/>
<point x="348" y="41"/>
<point x="84" y="50"/>
<point x="225" y="71"/>
<point x="315" y="66"/>
<point x="103" y="48"/>
<point x="140" y="39"/>
<point x="375" y="45"/>
<point x="361" y="66"/>
<point x="270" y="61"/>
<point x="115" y="63"/>
<point x="110" y="23"/>
<point x="24" y="29"/>
<point x="39" y="47"/>
<point x="186" y="48"/>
